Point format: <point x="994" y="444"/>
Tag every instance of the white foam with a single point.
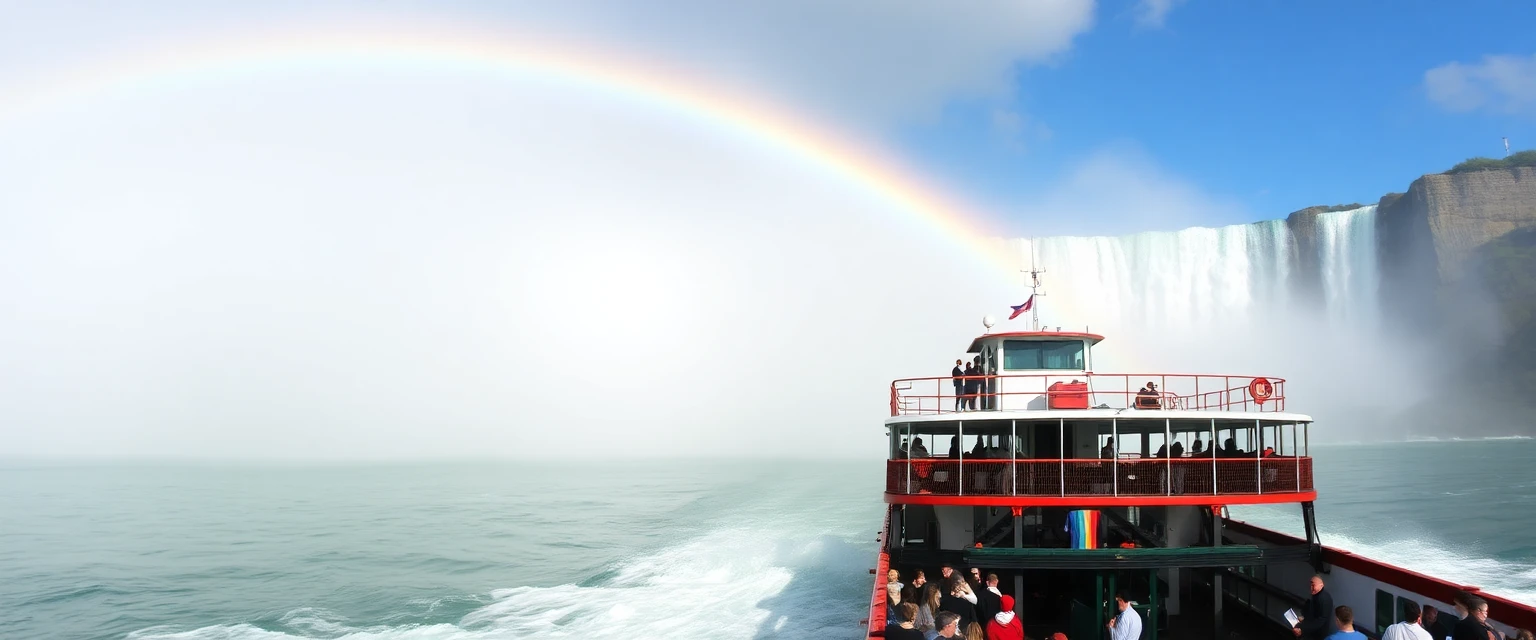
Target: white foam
<point x="729" y="583"/>
<point x="1513" y="580"/>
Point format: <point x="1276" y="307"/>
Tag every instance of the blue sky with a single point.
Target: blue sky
<point x="1268" y="106"/>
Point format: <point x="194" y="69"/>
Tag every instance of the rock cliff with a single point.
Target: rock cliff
<point x="1443" y="220"/>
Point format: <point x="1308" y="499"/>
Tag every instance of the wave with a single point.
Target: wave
<point x="728" y="583"/>
<point x="1511" y="579"/>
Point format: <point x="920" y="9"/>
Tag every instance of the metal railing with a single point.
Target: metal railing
<point x="940" y="395"/>
<point x="1202" y="476"/>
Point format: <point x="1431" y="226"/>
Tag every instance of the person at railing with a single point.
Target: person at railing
<point x="954" y="447"/>
<point x="1344" y="617"/>
<point x="1437" y="628"/>
<point x="1198" y="449"/>
<point x="1475" y="626"/>
<point x="1108" y="452"/>
<point x="972" y="385"/>
<point x="905" y="626"/>
<point x="1315" y="619"/>
<point x="1229" y="449"/>
<point x="1177" y="452"/>
<point x="1147" y="398"/>
<point x="980" y="450"/>
<point x="918" y="449"/>
<point x="1408" y="628"/>
<point x="954" y="375"/>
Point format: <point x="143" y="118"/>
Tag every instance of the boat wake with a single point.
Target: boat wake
<point x="728" y="583"/>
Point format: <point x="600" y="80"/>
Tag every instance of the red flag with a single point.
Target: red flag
<point x="1019" y="309"/>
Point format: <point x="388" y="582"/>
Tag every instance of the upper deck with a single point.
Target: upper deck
<point x="1053" y="371"/>
<point x="1047" y="430"/>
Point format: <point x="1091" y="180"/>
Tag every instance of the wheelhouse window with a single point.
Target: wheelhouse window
<point x="1019" y="355"/>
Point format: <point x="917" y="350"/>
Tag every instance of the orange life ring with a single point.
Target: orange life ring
<point x="1260" y="389"/>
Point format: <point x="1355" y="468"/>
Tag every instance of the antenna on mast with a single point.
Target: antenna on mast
<point x="1506" y="147"/>
<point x="1034" y="286"/>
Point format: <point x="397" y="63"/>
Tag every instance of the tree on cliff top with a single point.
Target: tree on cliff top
<point x="1521" y="159"/>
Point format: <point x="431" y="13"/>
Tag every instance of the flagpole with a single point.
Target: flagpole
<point x="1034" y="287"/>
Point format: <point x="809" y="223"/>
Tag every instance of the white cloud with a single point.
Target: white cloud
<point x="1153" y="14"/>
<point x="1503" y="84"/>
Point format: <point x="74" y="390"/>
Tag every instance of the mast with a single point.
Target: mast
<point x="1034" y="287"/>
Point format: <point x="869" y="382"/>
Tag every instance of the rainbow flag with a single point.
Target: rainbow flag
<point x="1083" y="528"/>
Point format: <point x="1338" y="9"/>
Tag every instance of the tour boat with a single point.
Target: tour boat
<point x="1059" y="480"/>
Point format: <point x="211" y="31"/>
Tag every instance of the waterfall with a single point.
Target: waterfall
<point x="1246" y="283"/>
<point x="1347" y="261"/>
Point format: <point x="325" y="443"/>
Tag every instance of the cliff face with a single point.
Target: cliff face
<point x="1445" y="218"/>
<point x="1457" y="254"/>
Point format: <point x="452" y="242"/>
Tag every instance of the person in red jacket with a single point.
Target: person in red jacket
<point x="1005" y="625"/>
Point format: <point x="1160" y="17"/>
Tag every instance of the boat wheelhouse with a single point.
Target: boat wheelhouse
<point x="1072" y="485"/>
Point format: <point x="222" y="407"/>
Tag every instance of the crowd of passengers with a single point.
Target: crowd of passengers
<point x="1319" y="619"/>
<point x="966" y="605"/>
<point x="961" y="605"/>
<point x="1003" y="450"/>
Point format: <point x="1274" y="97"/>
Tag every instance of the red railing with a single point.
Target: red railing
<point x="1128" y="477"/>
<point x="937" y="395"/>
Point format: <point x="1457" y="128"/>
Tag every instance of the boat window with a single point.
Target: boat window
<point x="1384" y="610"/>
<point x="1042" y="354"/>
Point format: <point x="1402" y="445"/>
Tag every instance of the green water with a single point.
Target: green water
<point x="675" y="549"/>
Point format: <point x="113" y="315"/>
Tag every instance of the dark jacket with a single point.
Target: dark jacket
<point x="961" y="607"/>
<point x="1317" y="616"/>
<point x="895" y="632"/>
<point x="987" y="604"/>
<point x="956" y="373"/>
<point x="1470" y="629"/>
<point x="972" y="384"/>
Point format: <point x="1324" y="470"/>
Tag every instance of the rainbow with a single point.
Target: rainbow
<point x="586" y="66"/>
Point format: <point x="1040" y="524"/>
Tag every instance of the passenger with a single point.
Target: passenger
<point x="960" y="601"/>
<point x="1522" y="634"/>
<point x="892" y="602"/>
<point x="948" y="625"/>
<point x="946" y="573"/>
<point x="1269" y="452"/>
<point x="1144" y="398"/>
<point x="1127" y="624"/>
<point x="893" y="577"/>
<point x="1229" y="449"/>
<point x="1345" y="617"/>
<point x="988" y="597"/>
<point x="1315" y="619"/>
<point x="918" y="450"/>
<point x="980" y="450"/>
<point x="1108" y="452"/>
<point x="954" y="375"/>
<point x="1409" y="628"/>
<point x="1162" y="452"/>
<point x="1197" y="449"/>
<point x="905" y="627"/>
<point x="1475" y="626"/>
<point x="1004" y="625"/>
<point x="975" y="632"/>
<point x="954" y="446"/>
<point x="918" y="579"/>
<point x="1437" y="628"/>
<point x="927" y="607"/>
<point x="1179" y="470"/>
<point x="972" y="386"/>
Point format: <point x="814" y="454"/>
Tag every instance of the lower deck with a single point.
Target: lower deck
<point x="1191" y="572"/>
